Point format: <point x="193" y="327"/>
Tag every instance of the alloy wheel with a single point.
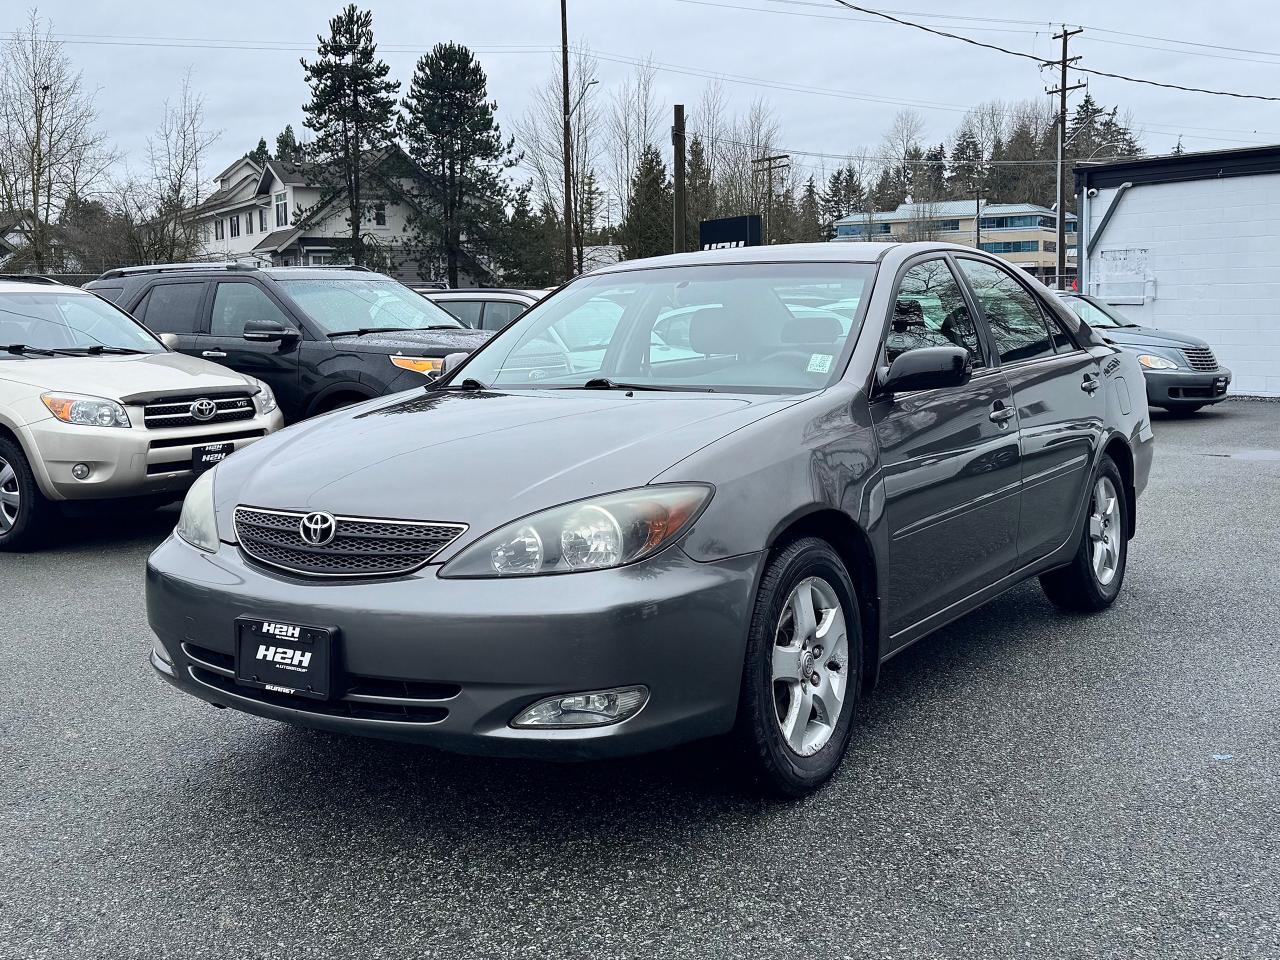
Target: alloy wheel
<point x="810" y="670"/>
<point x="1104" y="531"/>
<point x="10" y="496"/>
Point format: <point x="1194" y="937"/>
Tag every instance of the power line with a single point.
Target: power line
<point x="1038" y="60"/>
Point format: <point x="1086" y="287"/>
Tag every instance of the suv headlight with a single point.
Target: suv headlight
<point x="86" y="411"/>
<point x="264" y="400"/>
<point x="595" y="534"/>
<point x="1152" y="362"/>
<point x="198" y="524"/>
<point x="427" y="366"/>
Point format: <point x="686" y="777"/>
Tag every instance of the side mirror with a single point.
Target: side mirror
<point x="170" y="340"/>
<point x="268" y="331"/>
<point x="927" y="368"/>
<point x="452" y="361"/>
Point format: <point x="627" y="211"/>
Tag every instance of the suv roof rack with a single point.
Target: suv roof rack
<point x="29" y="278"/>
<point x="176" y="268"/>
<point x="324" y="266"/>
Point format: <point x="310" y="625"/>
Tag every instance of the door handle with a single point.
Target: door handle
<point x="213" y="353"/>
<point x="1089" y="384"/>
<point x="1000" y="414"/>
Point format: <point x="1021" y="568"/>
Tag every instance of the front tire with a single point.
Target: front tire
<point x="1092" y="581"/>
<point x="803" y="671"/>
<point x="25" y="515"/>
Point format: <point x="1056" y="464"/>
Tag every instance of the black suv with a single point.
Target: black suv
<point x="321" y="337"/>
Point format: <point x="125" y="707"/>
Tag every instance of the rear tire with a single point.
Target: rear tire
<point x="803" y="670"/>
<point x="26" y="517"/>
<point x="1092" y="581"/>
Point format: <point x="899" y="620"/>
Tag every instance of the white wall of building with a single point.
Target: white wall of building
<point x="1200" y="257"/>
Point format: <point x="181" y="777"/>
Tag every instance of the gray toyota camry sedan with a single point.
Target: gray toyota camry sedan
<point x="683" y="497"/>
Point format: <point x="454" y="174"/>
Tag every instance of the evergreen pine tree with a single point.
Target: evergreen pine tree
<point x="887" y="193"/>
<point x="260" y="154"/>
<point x="530" y="252"/>
<point x="965" y="174"/>
<point x="809" y="223"/>
<point x="700" y="197"/>
<point x="461" y="191"/>
<point x="352" y="110"/>
<point x="287" y="148"/>
<point x="931" y="181"/>
<point x="646" y="232"/>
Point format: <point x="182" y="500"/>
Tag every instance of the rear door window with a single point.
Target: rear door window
<point x="172" y="307"/>
<point x="1013" y="313"/>
<point x="499" y="313"/>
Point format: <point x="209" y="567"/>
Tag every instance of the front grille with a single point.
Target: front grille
<point x="361" y="547"/>
<point x="166" y="412"/>
<point x="366" y="698"/>
<point x="195" y="440"/>
<point x="1200" y="358"/>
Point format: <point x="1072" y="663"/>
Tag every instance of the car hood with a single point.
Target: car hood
<point x="1148" y="337"/>
<point x="416" y="343"/>
<point x="115" y="377"/>
<point x="481" y="458"/>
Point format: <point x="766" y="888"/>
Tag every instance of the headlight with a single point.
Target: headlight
<point x="264" y="400"/>
<point x="197" y="524"/>
<point x="428" y="366"/>
<point x="594" y="534"/>
<point x="1156" y="363"/>
<point x="87" y="411"/>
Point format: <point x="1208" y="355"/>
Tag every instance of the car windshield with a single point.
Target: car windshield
<point x="1095" y="315"/>
<point x="64" y="321"/>
<point x="770" y="327"/>
<point x="349" y="304"/>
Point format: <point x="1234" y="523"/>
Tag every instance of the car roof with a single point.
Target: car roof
<point x="474" y="292"/>
<point x="233" y="268"/>
<point x="828" y="252"/>
<point x="40" y="286"/>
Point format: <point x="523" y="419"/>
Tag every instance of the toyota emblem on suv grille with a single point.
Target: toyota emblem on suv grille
<point x="204" y="409"/>
<point x="318" y="529"/>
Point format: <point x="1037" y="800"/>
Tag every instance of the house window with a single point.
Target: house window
<point x="218" y="229"/>
<point x="262" y="219"/>
<point x="282" y="210"/>
<point x="943" y="226"/>
<point x="234" y="220"/>
<point x="380" y="214"/>
<point x="248" y="222"/>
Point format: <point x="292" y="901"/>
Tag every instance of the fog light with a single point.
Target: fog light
<point x="595" y="708"/>
<point x="80" y="471"/>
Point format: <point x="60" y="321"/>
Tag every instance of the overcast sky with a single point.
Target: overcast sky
<point x="136" y="53"/>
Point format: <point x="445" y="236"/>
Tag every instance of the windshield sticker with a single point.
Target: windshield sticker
<point x="820" y="363"/>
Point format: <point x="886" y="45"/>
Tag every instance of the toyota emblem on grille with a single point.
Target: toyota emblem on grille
<point x="204" y="409"/>
<point x="318" y="529"/>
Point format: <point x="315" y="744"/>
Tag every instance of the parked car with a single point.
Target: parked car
<point x="321" y="337"/>
<point x="485" y="308"/>
<point x="599" y="562"/>
<point x="1181" y="371"/>
<point x="92" y="406"/>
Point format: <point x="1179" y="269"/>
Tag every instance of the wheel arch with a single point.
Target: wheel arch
<point x="325" y="400"/>
<point x="1122" y="456"/>
<point x="856" y="552"/>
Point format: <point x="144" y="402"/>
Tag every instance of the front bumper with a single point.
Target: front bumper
<point x="1174" y="388"/>
<point x="454" y="661"/>
<point x="129" y="462"/>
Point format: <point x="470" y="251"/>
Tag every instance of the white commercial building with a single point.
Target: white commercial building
<point x="1191" y="243"/>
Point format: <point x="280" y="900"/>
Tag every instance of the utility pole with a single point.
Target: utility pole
<point x="678" y="229"/>
<point x="769" y="166"/>
<point x="568" y="143"/>
<point x="1061" y="91"/>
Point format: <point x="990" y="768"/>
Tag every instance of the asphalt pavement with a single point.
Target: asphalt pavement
<point x="1022" y="784"/>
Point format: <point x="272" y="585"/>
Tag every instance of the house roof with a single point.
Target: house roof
<point x="277" y="240"/>
<point x="947" y="209"/>
<point x="235" y="163"/>
<point x="290" y="174"/>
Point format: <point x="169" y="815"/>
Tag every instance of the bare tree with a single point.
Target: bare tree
<point x="50" y="149"/>
<point x="158" y="207"/>
<point x="540" y="133"/>
<point x="633" y="123"/>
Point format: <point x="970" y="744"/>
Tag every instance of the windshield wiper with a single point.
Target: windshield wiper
<point x="604" y="383"/>
<point x="443" y="326"/>
<point x="21" y="349"/>
<point x="100" y="348"/>
<point x="362" y="331"/>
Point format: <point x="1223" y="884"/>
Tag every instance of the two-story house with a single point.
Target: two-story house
<point x="1025" y="234"/>
<point x="288" y="214"/>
